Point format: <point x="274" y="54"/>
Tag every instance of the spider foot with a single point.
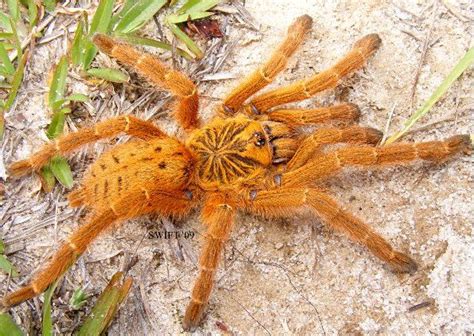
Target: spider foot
<point x="401" y="263"/>
<point x="373" y="136"/>
<point x="461" y="143"/>
<point x="193" y="316"/>
<point x="369" y="42"/>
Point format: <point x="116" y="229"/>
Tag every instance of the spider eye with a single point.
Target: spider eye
<point x="260" y="139"/>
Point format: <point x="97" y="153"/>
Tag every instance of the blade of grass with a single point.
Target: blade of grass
<point x="48" y="181"/>
<point x="56" y="126"/>
<point x="138" y="15"/>
<point x="125" y="8"/>
<point x="57" y="86"/>
<point x="111" y="75"/>
<point x="78" y="299"/>
<point x="7" y="267"/>
<point x="137" y="40"/>
<point x="32" y="12"/>
<point x="8" y="327"/>
<point x="100" y="24"/>
<point x="8" y="65"/>
<point x="186" y="40"/>
<point x="77" y="51"/>
<point x="16" y="39"/>
<point x="89" y="52"/>
<point x="103" y="15"/>
<point x="462" y="65"/>
<point x="49" y="4"/>
<point x="61" y="170"/>
<point x="6" y="36"/>
<point x="16" y="83"/>
<point x="192" y="6"/>
<point x="5" y="22"/>
<point x="47" y="323"/>
<point x="106" y="306"/>
<point x="185" y="17"/>
<point x="77" y="97"/>
<point x="14" y="9"/>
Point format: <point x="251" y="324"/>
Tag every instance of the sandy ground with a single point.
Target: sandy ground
<point x="291" y="276"/>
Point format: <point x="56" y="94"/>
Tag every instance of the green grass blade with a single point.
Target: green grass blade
<point x="15" y="86"/>
<point x="57" y="86"/>
<point x="2" y="247"/>
<point x="90" y="50"/>
<point x="5" y="22"/>
<point x="462" y="65"/>
<point x="106" y="306"/>
<point x="185" y="17"/>
<point x="56" y="126"/>
<point x="111" y="75"/>
<point x="4" y="72"/>
<point x="77" y="51"/>
<point x="137" y="40"/>
<point x="100" y="24"/>
<point x="125" y="8"/>
<point x="138" y="15"/>
<point x="47" y="323"/>
<point x="14" y="9"/>
<point x="7" y="267"/>
<point x="48" y="181"/>
<point x="61" y="170"/>
<point x="8" y="65"/>
<point x="32" y="12"/>
<point x="77" y="97"/>
<point x="8" y="327"/>
<point x="186" y="40"/>
<point x="49" y="5"/>
<point x="192" y="6"/>
<point x="103" y="15"/>
<point x="16" y="39"/>
<point x="6" y="36"/>
<point x="78" y="299"/>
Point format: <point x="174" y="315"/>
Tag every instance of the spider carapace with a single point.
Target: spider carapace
<point x="252" y="157"/>
<point x="238" y="151"/>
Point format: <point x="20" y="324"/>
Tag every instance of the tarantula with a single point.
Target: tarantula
<point x="251" y="156"/>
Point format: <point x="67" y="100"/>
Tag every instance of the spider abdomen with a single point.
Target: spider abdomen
<point x="135" y="168"/>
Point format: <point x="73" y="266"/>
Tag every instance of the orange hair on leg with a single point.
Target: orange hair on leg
<point x="218" y="216"/>
<point x="284" y="201"/>
<point x="66" y="143"/>
<point x="300" y="117"/>
<point x="325" y="136"/>
<point x="326" y="79"/>
<point x="265" y="74"/>
<point x="186" y="111"/>
<point x="323" y="166"/>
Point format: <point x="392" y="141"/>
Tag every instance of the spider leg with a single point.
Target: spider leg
<point x="186" y="111"/>
<point x="218" y="215"/>
<point x="68" y="142"/>
<point x="164" y="203"/>
<point x="283" y="202"/>
<point x="266" y="73"/>
<point x="299" y="117"/>
<point x="329" y="78"/>
<point x="325" y="165"/>
<point x="324" y="136"/>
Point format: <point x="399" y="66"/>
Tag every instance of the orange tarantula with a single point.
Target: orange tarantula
<point x="251" y="157"/>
